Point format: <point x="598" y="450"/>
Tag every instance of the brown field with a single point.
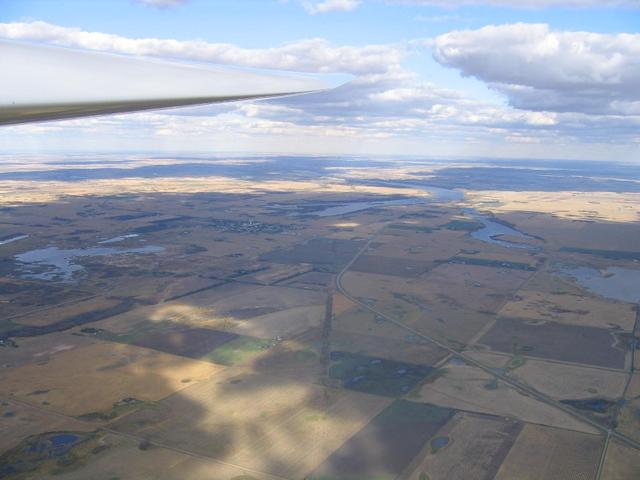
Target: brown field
<point x="476" y="447"/>
<point x="612" y="207"/>
<point x="490" y="359"/>
<point x="239" y="260"/>
<point x="490" y="279"/>
<point x="558" y="232"/>
<point x="327" y="254"/>
<point x="562" y="381"/>
<point x="425" y="247"/>
<point x="269" y="423"/>
<point x="177" y="287"/>
<point x="92" y="378"/>
<point x="184" y="341"/>
<point x="556" y="341"/>
<point x="364" y="322"/>
<point x="628" y="419"/>
<point x="546" y="282"/>
<point x="442" y="310"/>
<point x="263" y="312"/>
<point x="386" y="446"/>
<point x="284" y="324"/>
<point x="275" y="273"/>
<point x="40" y="349"/>
<point x="542" y="453"/>
<point x="311" y="280"/>
<point x="513" y="255"/>
<point x="464" y="387"/>
<point x="396" y="266"/>
<point x="121" y="457"/>
<point x="621" y="463"/>
<point x="341" y="304"/>
<point x="57" y="314"/>
<point x="571" y="309"/>
<point x="402" y="350"/>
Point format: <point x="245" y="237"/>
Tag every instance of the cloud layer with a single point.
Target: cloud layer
<point x="542" y="70"/>
<point x="311" y="55"/>
<point x="548" y="76"/>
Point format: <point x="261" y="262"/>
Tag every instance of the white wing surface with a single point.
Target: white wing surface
<point x="49" y="83"/>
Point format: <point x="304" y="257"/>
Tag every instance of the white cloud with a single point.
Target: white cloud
<point x="163" y="3"/>
<point x="523" y="3"/>
<point x="543" y="70"/>
<point x="326" y="6"/>
<point x="311" y="55"/>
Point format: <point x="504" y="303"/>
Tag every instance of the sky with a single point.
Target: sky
<point x="556" y="79"/>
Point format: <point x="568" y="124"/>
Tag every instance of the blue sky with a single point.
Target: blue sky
<point x="555" y="79"/>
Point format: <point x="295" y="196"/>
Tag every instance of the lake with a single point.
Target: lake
<point x="616" y="283"/>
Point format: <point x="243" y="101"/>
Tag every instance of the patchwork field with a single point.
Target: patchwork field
<point x="328" y="254"/>
<point x="112" y="456"/>
<point x="256" y="311"/>
<point x="75" y="309"/>
<point x="468" y="388"/>
<point x="399" y="267"/>
<point x="428" y="306"/>
<point x="231" y="351"/>
<point x="385" y="447"/>
<point x="629" y="416"/>
<point x="621" y="462"/>
<point x="406" y="349"/>
<point x="541" y="453"/>
<point x="257" y="420"/>
<point x="556" y="341"/>
<point x="576" y="309"/>
<point x="562" y="381"/>
<point x="468" y="446"/>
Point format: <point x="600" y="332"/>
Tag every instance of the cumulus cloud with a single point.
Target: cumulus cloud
<point x="326" y="6"/>
<point x="543" y="70"/>
<point x="310" y="55"/>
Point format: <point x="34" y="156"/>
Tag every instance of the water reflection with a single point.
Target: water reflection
<point x="12" y="239"/>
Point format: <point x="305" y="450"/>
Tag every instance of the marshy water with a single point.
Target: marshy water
<point x="56" y="264"/>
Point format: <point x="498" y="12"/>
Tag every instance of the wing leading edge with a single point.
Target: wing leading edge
<point x="41" y="83"/>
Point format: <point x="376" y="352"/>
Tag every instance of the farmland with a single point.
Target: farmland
<point x="327" y="326"/>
